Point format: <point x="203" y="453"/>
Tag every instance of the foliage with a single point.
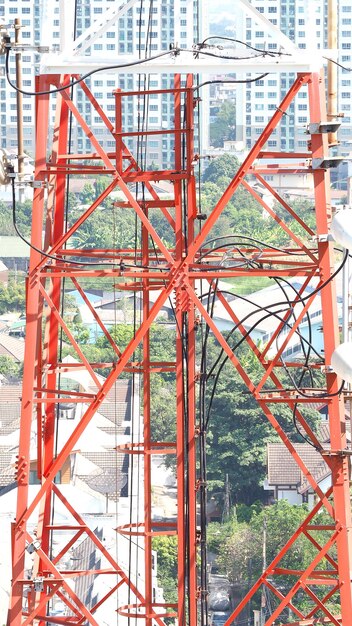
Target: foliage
<point x="238" y="545"/>
<point x="12" y="297"/>
<point x="223" y="128"/>
<point x="225" y="166"/>
<point x="23" y="218"/>
<point x="243" y="215"/>
<point x="10" y="368"/>
<point x="166" y="548"/>
<point x="238" y="431"/>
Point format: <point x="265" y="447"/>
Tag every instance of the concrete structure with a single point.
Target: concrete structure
<point x="171" y="21"/>
<point x="304" y="23"/>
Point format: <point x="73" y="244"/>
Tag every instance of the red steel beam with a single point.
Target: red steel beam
<point x="189" y="260"/>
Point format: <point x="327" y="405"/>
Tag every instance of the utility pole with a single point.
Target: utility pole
<point x="332" y="68"/>
<point x="19" y="97"/>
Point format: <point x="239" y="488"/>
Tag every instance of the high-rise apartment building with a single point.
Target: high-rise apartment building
<point x="147" y="27"/>
<point x="305" y="23"/>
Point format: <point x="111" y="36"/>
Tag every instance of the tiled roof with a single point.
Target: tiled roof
<point x="13" y="247"/>
<point x="11" y="346"/>
<point x="116" y="412"/>
<point x="111" y="476"/>
<point x="10" y="408"/>
<point x="10" y="393"/>
<point x="6" y="469"/>
<point x="283" y="469"/>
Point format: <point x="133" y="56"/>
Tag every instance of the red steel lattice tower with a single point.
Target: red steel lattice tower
<point x="171" y="273"/>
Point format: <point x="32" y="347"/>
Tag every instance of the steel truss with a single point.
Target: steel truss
<point x="173" y="273"/>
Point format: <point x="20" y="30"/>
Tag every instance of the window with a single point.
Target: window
<point x="110" y="46"/>
<point x="27" y="118"/>
<point x="346" y="33"/>
<point x="272" y="10"/>
<point x="346" y="46"/>
<point x="97" y="10"/>
<point x="345" y="94"/>
<point x="98" y="46"/>
<point x="259" y="33"/>
<point x="302" y="120"/>
<point x="110" y="35"/>
<point x="302" y="107"/>
<point x="25" y="10"/>
<point x="272" y="143"/>
<point x="272" y="83"/>
<point x="271" y="94"/>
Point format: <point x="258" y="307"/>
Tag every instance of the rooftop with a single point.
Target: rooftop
<point x="11" y="246"/>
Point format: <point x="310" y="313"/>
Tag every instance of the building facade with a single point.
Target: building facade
<point x="305" y="23"/>
<point x="145" y="29"/>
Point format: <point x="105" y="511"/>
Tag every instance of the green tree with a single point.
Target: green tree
<point x="166" y="548"/>
<point x="87" y="194"/>
<point x="12" y="297"/>
<point x="9" y="368"/>
<point x="224" y="166"/>
<point x="224" y="126"/>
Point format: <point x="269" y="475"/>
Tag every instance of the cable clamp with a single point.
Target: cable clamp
<point x="33" y="547"/>
<point x="281" y="111"/>
<point x="327" y="369"/>
<point x="323" y="238"/>
<point x="38" y="184"/>
<point x="38" y="584"/>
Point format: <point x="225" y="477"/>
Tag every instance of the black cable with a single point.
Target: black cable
<point x="69" y="261"/>
<point x="244" y="43"/>
<point x="303" y="347"/>
<point x="262" y="243"/>
<point x="232" y="58"/>
<point x="239" y="82"/>
<point x="343" y="67"/>
<point x="174" y="51"/>
<point x="275" y="314"/>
